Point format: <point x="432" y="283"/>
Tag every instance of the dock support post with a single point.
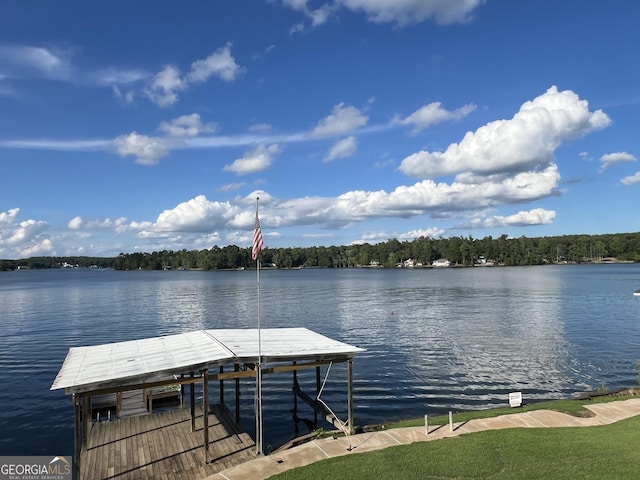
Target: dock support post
<point x="295" y="396"/>
<point x="221" y="386"/>
<point x="77" y="437"/>
<point x="318" y="386"/>
<point x="205" y="411"/>
<point x="350" y="396"/>
<point x="236" y="368"/>
<point x="86" y="418"/>
<point x="182" y="391"/>
<point x="192" y="401"/>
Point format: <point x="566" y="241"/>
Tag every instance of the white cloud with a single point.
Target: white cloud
<point x="125" y="97"/>
<point x="342" y="119"/>
<point x="342" y="149"/>
<point x="537" y="216"/>
<point x="43" y="247"/>
<point x="610" y="159"/>
<point x="425" y="197"/>
<point x="78" y="223"/>
<point x="75" y="223"/>
<point x="163" y="89"/>
<point x="631" y="179"/>
<point x="220" y="64"/>
<point x="231" y="186"/>
<point x="196" y="215"/>
<point x="433" y="113"/>
<point x="400" y="12"/>
<point x="186" y="126"/>
<point x="432" y="232"/>
<point x="254" y="161"/>
<point x="147" y="150"/>
<point x="17" y="61"/>
<point x="527" y="141"/>
<point x="113" y="76"/>
<point x="24" y="239"/>
<point x="7" y="218"/>
<point x="165" y="84"/>
<point x="317" y="16"/>
<point x="403" y="12"/>
<point x="260" y="127"/>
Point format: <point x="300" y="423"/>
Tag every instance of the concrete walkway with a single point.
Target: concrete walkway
<point x="315" y="450"/>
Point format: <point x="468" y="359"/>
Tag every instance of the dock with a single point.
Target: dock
<point x="162" y="446"/>
<point x="185" y="443"/>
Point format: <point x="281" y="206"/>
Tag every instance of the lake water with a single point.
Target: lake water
<point x="435" y="340"/>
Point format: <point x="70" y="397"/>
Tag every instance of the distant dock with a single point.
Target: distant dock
<point x="162" y="446"/>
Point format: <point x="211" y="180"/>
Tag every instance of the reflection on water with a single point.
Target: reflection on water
<point x="435" y="340"/>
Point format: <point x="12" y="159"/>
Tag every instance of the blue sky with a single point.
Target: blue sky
<point x="152" y="125"/>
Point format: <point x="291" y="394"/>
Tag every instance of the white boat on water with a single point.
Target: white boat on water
<point x="637" y="293"/>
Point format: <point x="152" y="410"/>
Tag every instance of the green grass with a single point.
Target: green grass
<point x="600" y="452"/>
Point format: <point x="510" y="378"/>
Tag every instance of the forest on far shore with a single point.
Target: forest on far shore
<point x="423" y="251"/>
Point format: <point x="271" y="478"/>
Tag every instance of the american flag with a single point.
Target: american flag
<point x="257" y="239"/>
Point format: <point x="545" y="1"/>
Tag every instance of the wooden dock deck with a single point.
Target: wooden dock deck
<point x="162" y="446"/>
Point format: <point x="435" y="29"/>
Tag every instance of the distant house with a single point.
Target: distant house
<point x="441" y="262"/>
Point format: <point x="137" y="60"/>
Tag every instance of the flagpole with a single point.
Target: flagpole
<point x="255" y="252"/>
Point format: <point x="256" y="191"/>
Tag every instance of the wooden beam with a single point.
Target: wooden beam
<point x="236" y="368"/>
<point x="192" y="401"/>
<point x="205" y="412"/>
<point x="218" y="376"/>
<point x="221" y="386"/>
<point x="350" y="396"/>
<point x="336" y="422"/>
<point x="77" y="437"/>
<point x="86" y="419"/>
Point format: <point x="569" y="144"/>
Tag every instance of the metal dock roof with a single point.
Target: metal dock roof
<point x="135" y="361"/>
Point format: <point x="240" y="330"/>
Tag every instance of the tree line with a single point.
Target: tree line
<point x="462" y="251"/>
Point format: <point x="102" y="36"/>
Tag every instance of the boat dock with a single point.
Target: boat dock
<point x="162" y="446"/>
<point x="185" y="443"/>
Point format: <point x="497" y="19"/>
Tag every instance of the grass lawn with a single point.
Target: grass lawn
<point x="602" y="452"/>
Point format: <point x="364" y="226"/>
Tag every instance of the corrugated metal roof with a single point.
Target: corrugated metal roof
<point x="113" y="364"/>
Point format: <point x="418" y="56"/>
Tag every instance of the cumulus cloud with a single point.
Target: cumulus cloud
<point x="610" y="159"/>
<point x="343" y="119"/>
<point x="78" y="223"/>
<point x="432" y="232"/>
<point x="196" y="215"/>
<point x="537" y="216"/>
<point x="425" y="197"/>
<point x="254" y="161"/>
<point x="527" y="141"/>
<point x="220" y="64"/>
<point x="186" y="126"/>
<point x="433" y="113"/>
<point x="165" y="85"/>
<point x="147" y="150"/>
<point x="631" y="179"/>
<point x="22" y="238"/>
<point x="342" y="149"/>
<point x="316" y="16"/>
